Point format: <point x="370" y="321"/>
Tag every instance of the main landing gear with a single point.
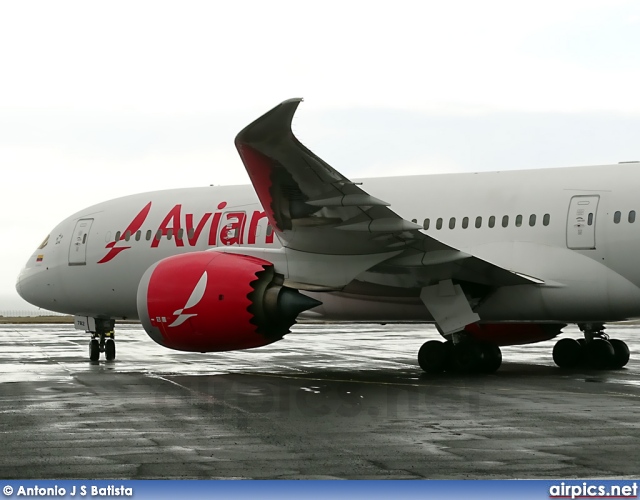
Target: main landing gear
<point x="103" y="340"/>
<point x="596" y="350"/>
<point x="465" y="356"/>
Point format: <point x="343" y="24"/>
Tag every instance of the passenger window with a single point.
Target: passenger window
<point x="191" y="232"/>
<point x="505" y="221"/>
<point x="118" y="236"/>
<point x="590" y="219"/>
<point x="158" y="234"/>
<point x="452" y="222"/>
<point x="492" y="221"/>
<point x="84" y="238"/>
<point x="545" y="219"/>
<point x="127" y="236"/>
<point x="616" y="217"/>
<point x="149" y="234"/>
<point x="532" y="220"/>
<point x="426" y="223"/>
<point x="518" y="220"/>
<point x="465" y="223"/>
<point x="180" y="233"/>
<point x="138" y="234"/>
<point x="439" y="223"/>
<point x="270" y="230"/>
<point x="632" y="216"/>
<point x="169" y="234"/>
<point x="478" y="222"/>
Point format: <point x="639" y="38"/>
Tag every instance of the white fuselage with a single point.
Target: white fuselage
<point x="585" y="267"/>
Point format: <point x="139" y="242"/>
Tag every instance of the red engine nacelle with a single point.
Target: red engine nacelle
<point x="212" y="301"/>
<point x="513" y="333"/>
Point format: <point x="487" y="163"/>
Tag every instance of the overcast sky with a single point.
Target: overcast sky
<point x="104" y="99"/>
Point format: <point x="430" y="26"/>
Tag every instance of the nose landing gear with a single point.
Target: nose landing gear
<point x="103" y="340"/>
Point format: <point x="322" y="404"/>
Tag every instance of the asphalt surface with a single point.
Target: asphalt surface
<point x="329" y="401"/>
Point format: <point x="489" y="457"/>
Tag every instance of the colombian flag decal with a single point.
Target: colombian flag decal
<point x="39" y="258"/>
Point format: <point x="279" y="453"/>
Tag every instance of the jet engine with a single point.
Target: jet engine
<point x="213" y="301"/>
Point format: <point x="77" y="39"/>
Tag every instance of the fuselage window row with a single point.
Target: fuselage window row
<point x="427" y="223"/>
<point x="138" y="234"/>
<point x="617" y="217"/>
<point x="546" y="219"/>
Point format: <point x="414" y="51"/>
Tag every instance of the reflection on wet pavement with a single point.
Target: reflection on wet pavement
<point x="330" y="400"/>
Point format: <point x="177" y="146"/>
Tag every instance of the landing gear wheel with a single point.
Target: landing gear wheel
<point x="600" y="354"/>
<point x="110" y="349"/>
<point x="620" y="353"/>
<point x="491" y="357"/>
<point x="467" y="356"/>
<point x="432" y="356"/>
<point x="94" y="350"/>
<point x="567" y="353"/>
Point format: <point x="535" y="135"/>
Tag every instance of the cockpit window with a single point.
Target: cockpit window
<point x="44" y="243"/>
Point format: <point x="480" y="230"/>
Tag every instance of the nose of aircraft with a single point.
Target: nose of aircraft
<point x="33" y="284"/>
<point x="18" y="285"/>
<point x="26" y="287"/>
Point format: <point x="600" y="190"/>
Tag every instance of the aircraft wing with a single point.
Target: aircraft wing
<point x="315" y="209"/>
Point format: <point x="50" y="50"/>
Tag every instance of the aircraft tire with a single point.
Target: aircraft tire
<point x="621" y="353"/>
<point x="467" y="356"/>
<point x="599" y="354"/>
<point x="94" y="350"/>
<point x="491" y="357"/>
<point x="567" y="353"/>
<point x="432" y="356"/>
<point x="110" y="349"/>
<point x="449" y="360"/>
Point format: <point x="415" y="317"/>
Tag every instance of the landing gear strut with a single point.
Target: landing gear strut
<point x="466" y="356"/>
<point x="596" y="350"/>
<point x="103" y="340"/>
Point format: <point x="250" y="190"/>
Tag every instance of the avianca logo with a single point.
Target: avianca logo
<point x="194" y="299"/>
<point x="182" y="229"/>
<point x="136" y="224"/>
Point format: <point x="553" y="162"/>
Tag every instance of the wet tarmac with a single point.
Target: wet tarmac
<point x="329" y="401"/>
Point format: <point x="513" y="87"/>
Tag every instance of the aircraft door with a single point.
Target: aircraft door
<point x="581" y="222"/>
<point x="78" y="246"/>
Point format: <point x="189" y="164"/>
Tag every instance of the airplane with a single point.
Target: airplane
<point x="491" y="258"/>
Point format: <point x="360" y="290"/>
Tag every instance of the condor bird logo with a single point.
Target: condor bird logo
<point x="132" y="228"/>
<point x="194" y="298"/>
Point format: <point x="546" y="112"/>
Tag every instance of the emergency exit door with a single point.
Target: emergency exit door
<point x="581" y="222"/>
<point x="78" y="246"/>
